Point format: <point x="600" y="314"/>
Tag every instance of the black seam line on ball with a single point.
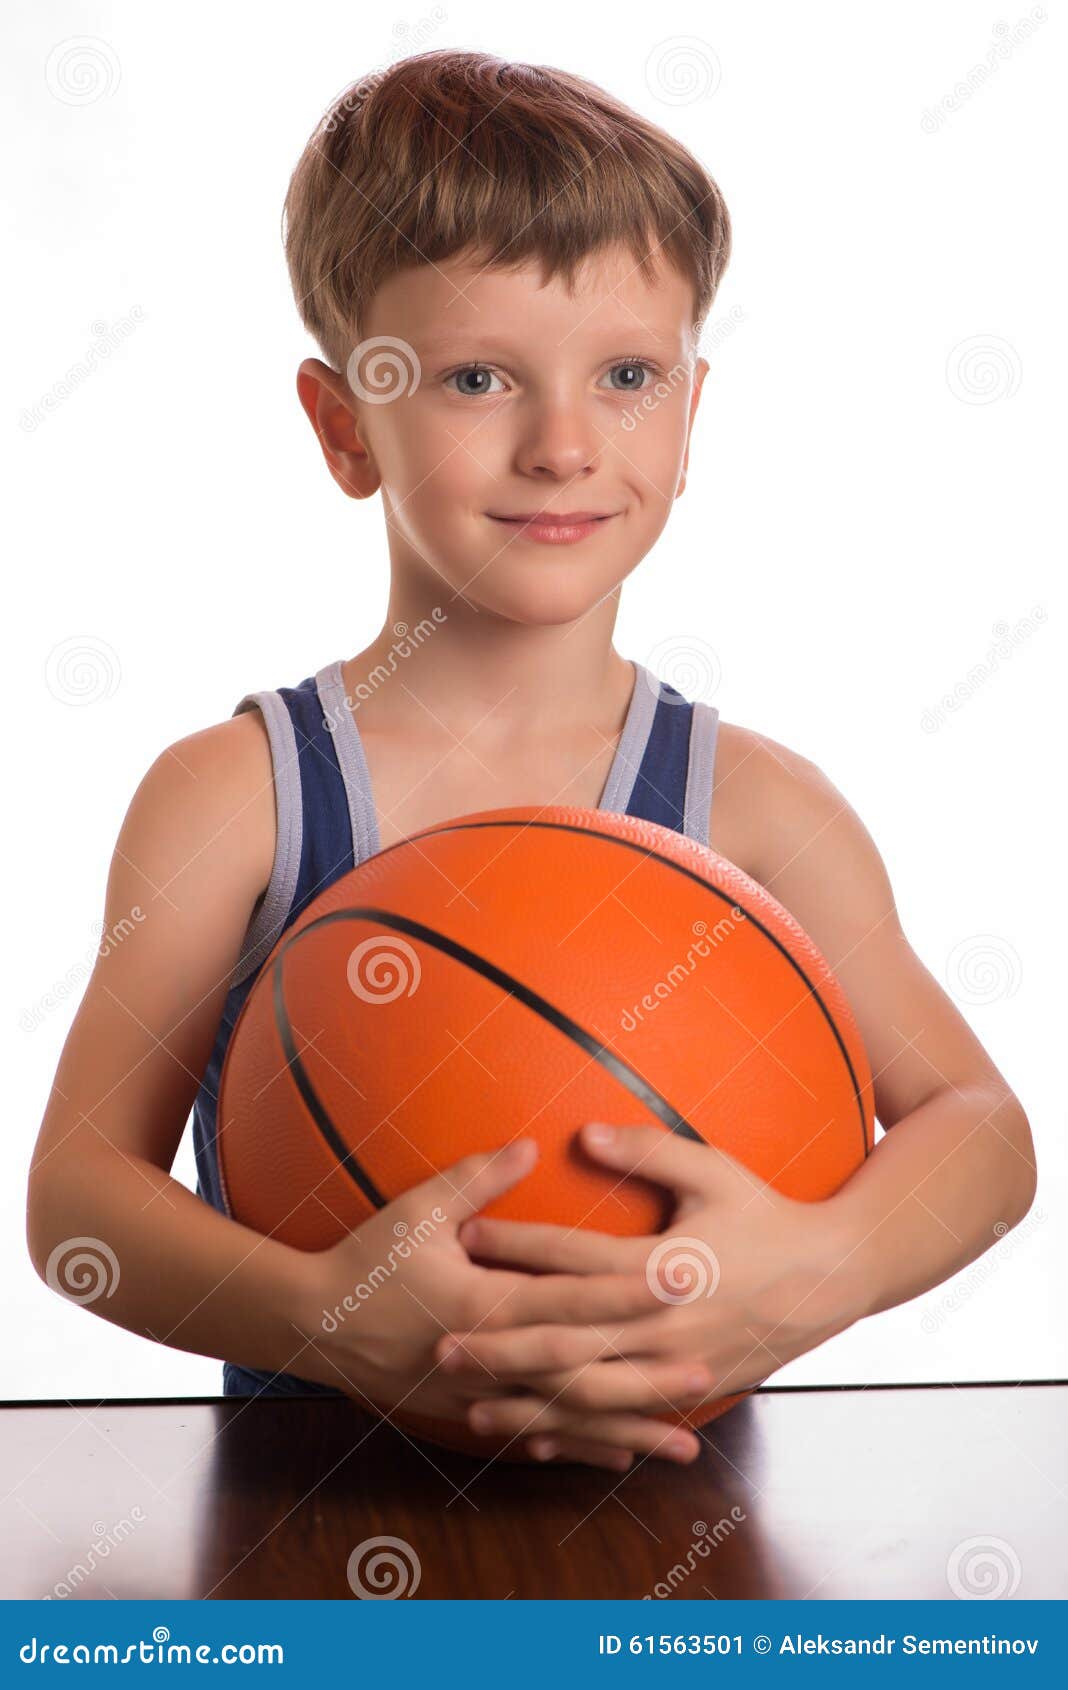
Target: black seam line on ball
<point x="319" y="1113"/>
<point x="680" y="868"/>
<point x="634" y="1082"/>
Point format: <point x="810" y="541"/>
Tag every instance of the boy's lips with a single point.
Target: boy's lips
<point x="566" y="519"/>
<point x="556" y="527"/>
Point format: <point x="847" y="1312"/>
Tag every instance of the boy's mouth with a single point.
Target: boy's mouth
<point x="555" y="527"/>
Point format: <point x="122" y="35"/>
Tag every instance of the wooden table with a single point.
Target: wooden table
<point x="847" y="1492"/>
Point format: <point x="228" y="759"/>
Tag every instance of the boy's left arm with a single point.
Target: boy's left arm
<point x="953" y="1172"/>
<point x="955" y="1168"/>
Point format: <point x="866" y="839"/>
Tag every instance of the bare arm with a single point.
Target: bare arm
<point x="937" y="1191"/>
<point x="191" y="857"/>
<point x="955" y="1168"/>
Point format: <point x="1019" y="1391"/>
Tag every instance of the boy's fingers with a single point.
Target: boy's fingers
<point x="662" y="1156"/>
<point x="472" y="1182"/>
<point x="522" y="1349"/>
<point x="527" y="1416"/>
<point x="565" y="1249"/>
<point x="581" y="1449"/>
<point x="574" y="1301"/>
<point x="577" y="1368"/>
<point x="653" y="1386"/>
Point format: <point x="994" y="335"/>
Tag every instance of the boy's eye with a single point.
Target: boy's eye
<point x="474" y="380"/>
<point x="632" y="375"/>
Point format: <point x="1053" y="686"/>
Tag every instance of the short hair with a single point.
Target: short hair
<point x="448" y="152"/>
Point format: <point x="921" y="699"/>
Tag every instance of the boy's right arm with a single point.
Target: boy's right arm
<point x="193" y="855"/>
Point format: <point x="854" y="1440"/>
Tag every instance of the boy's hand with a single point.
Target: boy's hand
<point x="743" y="1281"/>
<point x="378" y="1300"/>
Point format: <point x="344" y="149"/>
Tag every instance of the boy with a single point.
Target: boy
<point x="500" y="263"/>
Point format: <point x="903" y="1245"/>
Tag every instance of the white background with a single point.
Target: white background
<point x="871" y="503"/>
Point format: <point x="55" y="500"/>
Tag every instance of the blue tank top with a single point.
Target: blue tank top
<point x="662" y="771"/>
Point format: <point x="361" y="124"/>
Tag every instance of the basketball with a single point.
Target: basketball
<point x="521" y="972"/>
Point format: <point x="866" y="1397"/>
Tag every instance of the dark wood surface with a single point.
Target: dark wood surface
<point x="798" y="1493"/>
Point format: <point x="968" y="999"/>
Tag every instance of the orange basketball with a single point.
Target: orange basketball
<point x="520" y="972"/>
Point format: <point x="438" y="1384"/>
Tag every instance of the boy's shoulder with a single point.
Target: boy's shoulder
<point x="213" y="791"/>
<point x="773" y="810"/>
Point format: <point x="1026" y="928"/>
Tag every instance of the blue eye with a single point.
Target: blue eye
<point x="474" y="381"/>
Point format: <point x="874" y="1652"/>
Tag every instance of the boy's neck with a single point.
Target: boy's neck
<point x="504" y="682"/>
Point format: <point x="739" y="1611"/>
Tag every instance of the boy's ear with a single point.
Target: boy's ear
<point x="700" y="372"/>
<point x="330" y="405"/>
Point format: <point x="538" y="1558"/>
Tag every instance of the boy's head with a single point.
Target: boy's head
<point x="506" y="271"/>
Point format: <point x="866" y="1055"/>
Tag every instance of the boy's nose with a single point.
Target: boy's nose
<point x="559" y="441"/>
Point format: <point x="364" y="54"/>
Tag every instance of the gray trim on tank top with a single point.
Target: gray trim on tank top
<point x="269" y="919"/>
<point x="632" y="741"/>
<point x="631" y="751"/>
<point x="341" y="722"/>
<point x="700" y="771"/>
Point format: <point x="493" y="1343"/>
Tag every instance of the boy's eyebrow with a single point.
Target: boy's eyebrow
<point x="460" y="337"/>
<point x="622" y="337"/>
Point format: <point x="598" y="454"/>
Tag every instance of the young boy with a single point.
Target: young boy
<point x="506" y="272"/>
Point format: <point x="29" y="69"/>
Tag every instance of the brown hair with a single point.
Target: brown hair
<point x="449" y="151"/>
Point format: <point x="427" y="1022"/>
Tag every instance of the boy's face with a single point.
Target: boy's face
<point x="530" y="400"/>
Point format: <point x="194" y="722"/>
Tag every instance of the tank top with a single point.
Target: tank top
<point x="662" y="771"/>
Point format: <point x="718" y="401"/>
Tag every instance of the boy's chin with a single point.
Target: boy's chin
<point x="537" y="606"/>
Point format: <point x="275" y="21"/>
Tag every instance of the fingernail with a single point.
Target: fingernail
<point x="453" y="1357"/>
<point x="679" y="1448"/>
<point x="469" y="1234"/>
<point x="481" y="1419"/>
<point x="543" y="1449"/>
<point x="699" y="1380"/>
<point x="598" y="1133"/>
